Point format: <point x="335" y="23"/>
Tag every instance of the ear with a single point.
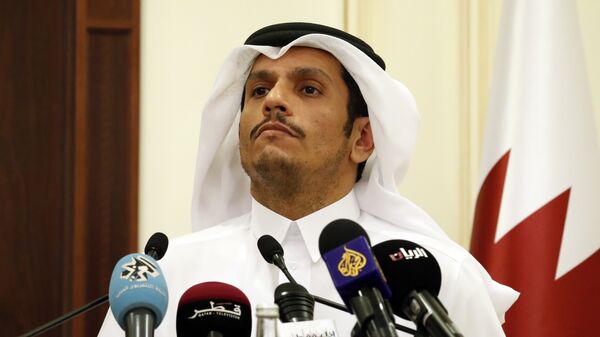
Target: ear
<point x="362" y="140"/>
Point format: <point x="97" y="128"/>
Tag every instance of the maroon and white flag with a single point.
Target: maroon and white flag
<point x="537" y="216"/>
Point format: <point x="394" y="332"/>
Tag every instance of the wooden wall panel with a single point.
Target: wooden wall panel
<point x="111" y="10"/>
<point x="35" y="118"/>
<point x="68" y="156"/>
<point x="109" y="218"/>
<point x="106" y="136"/>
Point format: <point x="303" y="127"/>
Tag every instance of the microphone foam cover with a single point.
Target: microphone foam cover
<point x="268" y="246"/>
<point x="338" y="232"/>
<point x="214" y="306"/>
<point x="137" y="282"/>
<point x="158" y="243"/>
<point x="295" y="303"/>
<point x="407" y="267"/>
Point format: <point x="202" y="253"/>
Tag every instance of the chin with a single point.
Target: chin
<point x="275" y="166"/>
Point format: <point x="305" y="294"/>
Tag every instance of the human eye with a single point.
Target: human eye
<point x="260" y="91"/>
<point x="310" y="90"/>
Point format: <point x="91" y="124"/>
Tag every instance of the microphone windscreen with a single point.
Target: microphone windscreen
<point x="346" y="251"/>
<point x="268" y="247"/>
<point x="338" y="232"/>
<point x="158" y="243"/>
<point x="407" y="266"/>
<point x="137" y="282"/>
<point x="214" y="307"/>
<point x="295" y="303"/>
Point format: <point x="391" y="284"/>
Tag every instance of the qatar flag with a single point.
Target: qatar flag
<point x="537" y="216"/>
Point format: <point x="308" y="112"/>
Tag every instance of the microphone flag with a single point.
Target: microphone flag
<point x="352" y="266"/>
<point x="137" y="282"/>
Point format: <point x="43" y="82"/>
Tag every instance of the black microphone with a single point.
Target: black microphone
<point x="415" y="278"/>
<point x="346" y="250"/>
<point x="214" y="309"/>
<point x="272" y="252"/>
<point x="156" y="247"/>
<point x="295" y="303"/>
<point x="268" y="246"/>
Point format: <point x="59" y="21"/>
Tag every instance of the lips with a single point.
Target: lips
<point x="271" y="126"/>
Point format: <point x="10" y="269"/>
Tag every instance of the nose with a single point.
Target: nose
<point x="275" y="102"/>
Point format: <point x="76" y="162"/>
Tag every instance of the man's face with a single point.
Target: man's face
<point x="295" y="109"/>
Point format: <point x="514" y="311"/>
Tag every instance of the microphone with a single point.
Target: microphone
<point x="138" y="295"/>
<point x="155" y="247"/>
<point x="346" y="251"/>
<point x="415" y="278"/>
<point x="268" y="245"/>
<point x="214" y="309"/>
<point x="272" y="252"/>
<point x="295" y="303"/>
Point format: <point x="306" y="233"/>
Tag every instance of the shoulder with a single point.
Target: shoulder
<point x="380" y="230"/>
<point x="464" y="283"/>
<point x="452" y="259"/>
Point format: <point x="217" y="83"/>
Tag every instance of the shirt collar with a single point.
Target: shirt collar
<point x="265" y="221"/>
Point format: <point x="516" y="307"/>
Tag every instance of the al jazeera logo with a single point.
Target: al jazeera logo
<point x="352" y="263"/>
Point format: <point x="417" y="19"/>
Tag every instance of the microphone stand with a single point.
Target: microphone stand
<point x="66" y="317"/>
<point x="140" y="323"/>
<point x="430" y="316"/>
<point x="151" y="251"/>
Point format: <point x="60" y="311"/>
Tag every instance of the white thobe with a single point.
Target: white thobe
<point x="228" y="253"/>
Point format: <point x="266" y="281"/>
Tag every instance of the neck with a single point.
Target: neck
<point x="297" y="204"/>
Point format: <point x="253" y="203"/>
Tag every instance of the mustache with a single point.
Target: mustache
<point x="281" y="119"/>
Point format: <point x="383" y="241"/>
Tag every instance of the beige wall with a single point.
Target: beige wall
<point x="441" y="49"/>
<point x="183" y="46"/>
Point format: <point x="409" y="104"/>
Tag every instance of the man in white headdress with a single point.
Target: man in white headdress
<point x="294" y="115"/>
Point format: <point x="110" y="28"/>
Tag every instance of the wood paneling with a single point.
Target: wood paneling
<point x="35" y="154"/>
<point x="68" y="156"/>
<point x="111" y="10"/>
<point x="109" y="218"/>
<point x="106" y="137"/>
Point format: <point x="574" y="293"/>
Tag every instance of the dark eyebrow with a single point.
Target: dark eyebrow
<point x="298" y="72"/>
<point x="260" y="75"/>
<point x="310" y="72"/>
